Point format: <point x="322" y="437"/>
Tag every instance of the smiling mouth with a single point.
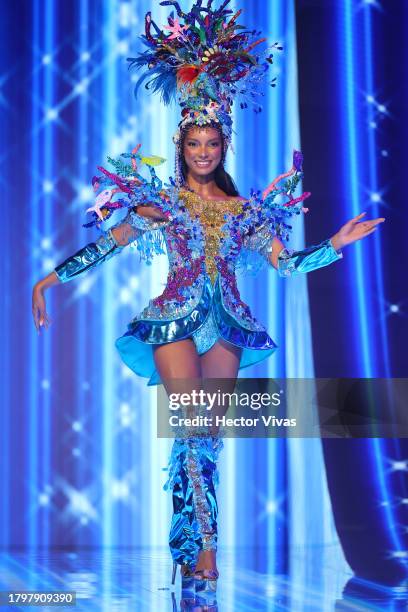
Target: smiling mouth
<point x="203" y="164"/>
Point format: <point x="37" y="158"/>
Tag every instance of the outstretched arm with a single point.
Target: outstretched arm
<point x="110" y="244"/>
<point x="289" y="263"/>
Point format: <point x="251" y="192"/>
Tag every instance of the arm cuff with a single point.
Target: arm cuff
<point x="311" y="258"/>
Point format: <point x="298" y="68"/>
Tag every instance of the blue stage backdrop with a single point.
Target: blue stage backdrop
<point x="80" y="457"/>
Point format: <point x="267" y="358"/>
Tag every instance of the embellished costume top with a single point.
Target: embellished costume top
<point x="211" y="214"/>
<point x="207" y="242"/>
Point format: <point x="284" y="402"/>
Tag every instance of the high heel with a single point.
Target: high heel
<point x="185" y="572"/>
<point x="187" y="580"/>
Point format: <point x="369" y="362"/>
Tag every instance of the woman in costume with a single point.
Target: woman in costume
<point x="198" y="328"/>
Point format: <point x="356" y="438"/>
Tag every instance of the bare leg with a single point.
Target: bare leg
<point x="181" y="370"/>
<point x="219" y="369"/>
<point x="178" y="364"/>
<point x="220" y="362"/>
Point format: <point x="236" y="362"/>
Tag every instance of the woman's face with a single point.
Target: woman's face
<point x="202" y="150"/>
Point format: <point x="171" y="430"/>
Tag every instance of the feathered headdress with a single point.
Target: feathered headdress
<point x="206" y="60"/>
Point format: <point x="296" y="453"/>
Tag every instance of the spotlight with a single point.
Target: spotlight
<point x="399" y="554"/>
<point x="120" y="490"/>
<point x="86" y="193"/>
<point x="43" y="499"/>
<point x="125" y="296"/>
<point x="399" y="466"/>
<point x="271" y="507"/>
<point x="45" y="244"/>
<point x="123" y="47"/>
<point x="77" y="426"/>
<point x="51" y="114"/>
<point x="375" y="197"/>
<point x="81" y="87"/>
<point x="48" y="187"/>
<point x="48" y="264"/>
<point x="134" y="282"/>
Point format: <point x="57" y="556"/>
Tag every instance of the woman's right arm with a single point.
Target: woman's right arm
<point x="108" y="245"/>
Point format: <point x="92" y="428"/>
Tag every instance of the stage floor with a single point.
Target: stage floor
<point x="140" y="579"/>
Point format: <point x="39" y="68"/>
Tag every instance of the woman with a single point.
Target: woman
<point x="198" y="329"/>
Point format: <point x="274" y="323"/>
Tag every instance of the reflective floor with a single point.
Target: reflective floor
<point x="127" y="580"/>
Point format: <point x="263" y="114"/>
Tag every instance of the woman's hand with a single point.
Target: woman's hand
<point x="151" y="212"/>
<point x="354" y="230"/>
<point x="40" y="314"/>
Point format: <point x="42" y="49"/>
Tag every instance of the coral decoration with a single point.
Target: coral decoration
<point x="176" y="30"/>
<point x="126" y="185"/>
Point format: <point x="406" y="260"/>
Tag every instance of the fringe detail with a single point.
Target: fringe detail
<point x="149" y="244"/>
<point x="250" y="262"/>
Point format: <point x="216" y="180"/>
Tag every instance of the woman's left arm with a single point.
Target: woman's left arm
<point x="289" y="263"/>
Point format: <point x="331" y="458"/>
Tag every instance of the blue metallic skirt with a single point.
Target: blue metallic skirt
<point x="207" y="323"/>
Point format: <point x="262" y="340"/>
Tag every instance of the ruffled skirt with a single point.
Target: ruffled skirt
<point x="207" y="323"/>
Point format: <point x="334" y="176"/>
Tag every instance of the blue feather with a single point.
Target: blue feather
<point x="166" y="84"/>
<point x="139" y="83"/>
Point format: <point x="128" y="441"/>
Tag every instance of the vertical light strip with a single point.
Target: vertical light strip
<point x="48" y="171"/>
<point x="362" y="323"/>
<point x="373" y="183"/>
<point x="6" y="411"/>
<point x="33" y="408"/>
<point x="163" y="125"/>
<point x="109" y="401"/>
<point x="83" y="147"/>
<point x="160" y="127"/>
<point x="310" y="515"/>
<point x="378" y="445"/>
<point x="275" y="146"/>
<point x="35" y="350"/>
<point x="275" y="149"/>
<point x="353" y="163"/>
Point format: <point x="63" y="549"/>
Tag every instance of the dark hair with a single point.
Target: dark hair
<point x="221" y="177"/>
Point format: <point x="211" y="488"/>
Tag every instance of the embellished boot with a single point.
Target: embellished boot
<point x="193" y="477"/>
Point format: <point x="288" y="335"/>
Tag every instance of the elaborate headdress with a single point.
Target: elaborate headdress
<point x="206" y="61"/>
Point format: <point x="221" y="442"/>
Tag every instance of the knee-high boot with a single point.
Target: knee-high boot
<point x="193" y="477"/>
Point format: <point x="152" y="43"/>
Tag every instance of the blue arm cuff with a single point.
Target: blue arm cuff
<point x="88" y="257"/>
<point x="291" y="263"/>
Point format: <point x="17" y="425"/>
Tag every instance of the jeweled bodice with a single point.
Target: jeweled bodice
<point x="211" y="214"/>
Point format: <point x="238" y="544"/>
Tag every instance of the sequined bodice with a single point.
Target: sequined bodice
<point x="212" y="217"/>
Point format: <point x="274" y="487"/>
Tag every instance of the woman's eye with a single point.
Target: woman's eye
<point x="191" y="144"/>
